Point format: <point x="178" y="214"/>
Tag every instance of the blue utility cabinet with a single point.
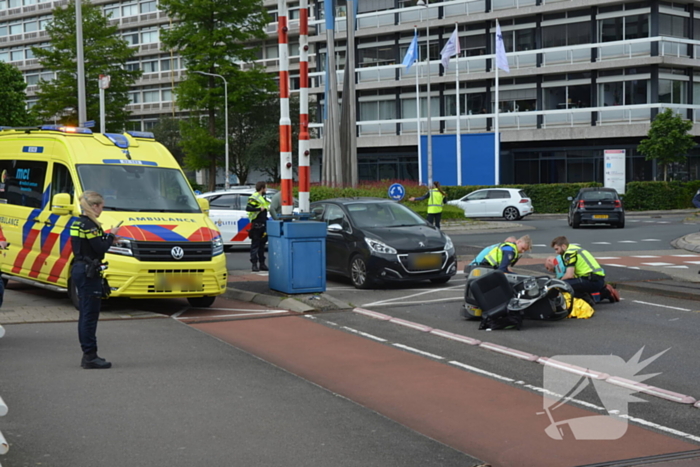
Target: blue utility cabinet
<point x="297" y="256"/>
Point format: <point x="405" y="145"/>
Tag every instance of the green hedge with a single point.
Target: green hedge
<point x="546" y="198"/>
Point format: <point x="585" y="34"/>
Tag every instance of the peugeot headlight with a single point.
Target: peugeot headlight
<point x="217" y="246"/>
<point x="448" y="243"/>
<point x="121" y="247"/>
<point x="378" y="247"/>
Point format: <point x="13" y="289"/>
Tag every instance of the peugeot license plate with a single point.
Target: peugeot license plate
<point x="600" y="216"/>
<point x="427" y="262"/>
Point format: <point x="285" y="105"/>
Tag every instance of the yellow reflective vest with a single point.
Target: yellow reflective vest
<point x="495" y="256"/>
<point x="257" y="201"/>
<point x="435" y="201"/>
<point x="583" y="262"/>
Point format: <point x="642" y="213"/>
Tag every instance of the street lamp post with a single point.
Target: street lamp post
<point x="427" y="62"/>
<point x="227" y="184"/>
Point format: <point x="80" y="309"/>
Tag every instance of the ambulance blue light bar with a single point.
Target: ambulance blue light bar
<point x="67" y="129"/>
<point x="141" y="134"/>
<point x="119" y="141"/>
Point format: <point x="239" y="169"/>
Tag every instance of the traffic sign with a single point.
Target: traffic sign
<point x="397" y="192"/>
<point x="88" y="124"/>
<point x="104" y="81"/>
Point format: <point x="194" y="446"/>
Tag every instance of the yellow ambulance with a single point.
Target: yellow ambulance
<point x="170" y="247"/>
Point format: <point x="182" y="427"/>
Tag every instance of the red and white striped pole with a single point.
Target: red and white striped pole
<point x="304" y="152"/>
<point x="285" y="122"/>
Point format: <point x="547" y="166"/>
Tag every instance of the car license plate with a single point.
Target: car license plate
<point x="600" y="216"/>
<point x="427" y="262"/>
<point x="182" y="282"/>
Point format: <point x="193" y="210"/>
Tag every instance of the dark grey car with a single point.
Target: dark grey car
<point x="596" y="206"/>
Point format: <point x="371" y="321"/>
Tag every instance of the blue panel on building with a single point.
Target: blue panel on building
<point x="477" y="159"/>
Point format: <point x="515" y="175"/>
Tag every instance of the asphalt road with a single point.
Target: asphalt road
<point x="639" y="322"/>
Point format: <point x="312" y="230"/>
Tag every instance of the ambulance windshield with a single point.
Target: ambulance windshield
<point x="139" y="188"/>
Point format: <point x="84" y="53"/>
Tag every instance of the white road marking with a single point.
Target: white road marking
<point x="601" y="243"/>
<point x="479" y="370"/>
<point x="650" y="240"/>
<point x="633" y="267"/>
<point x="180" y="312"/>
<point x="236" y="315"/>
<point x="660" y="222"/>
<point x="420" y="302"/>
<point x="627" y="241"/>
<point x="539" y="244"/>
<point x="661" y="306"/>
<point x="424" y="292"/>
<point x="364" y="334"/>
<point x="411" y="349"/>
<point x="615" y="265"/>
<point x="685" y="256"/>
<point x="677" y="267"/>
<point x="644" y="256"/>
<point x="608" y="257"/>
<point x="657" y="264"/>
<point x="692" y="262"/>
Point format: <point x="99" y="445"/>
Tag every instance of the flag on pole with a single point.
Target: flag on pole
<point x="412" y="53"/>
<point x="501" y="59"/>
<point x="451" y="48"/>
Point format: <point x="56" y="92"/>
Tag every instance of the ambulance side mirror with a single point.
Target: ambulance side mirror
<point x="61" y="204"/>
<point x="203" y="205"/>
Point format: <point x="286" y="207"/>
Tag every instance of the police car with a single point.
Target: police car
<point x="227" y="211"/>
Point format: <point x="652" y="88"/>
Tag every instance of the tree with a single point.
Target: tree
<point x="167" y="132"/>
<point x="13" y="108"/>
<point x="105" y="52"/>
<point x="215" y="37"/>
<point x="265" y="136"/>
<point x="668" y="140"/>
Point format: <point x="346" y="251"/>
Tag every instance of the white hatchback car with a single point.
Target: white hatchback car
<point x="509" y="203"/>
<point x="227" y="210"/>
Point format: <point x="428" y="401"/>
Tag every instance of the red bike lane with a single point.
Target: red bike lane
<point x="479" y="416"/>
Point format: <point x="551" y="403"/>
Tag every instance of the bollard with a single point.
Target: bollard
<point x="4" y="447"/>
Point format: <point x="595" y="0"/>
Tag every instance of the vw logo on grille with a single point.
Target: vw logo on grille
<point x="421" y="244"/>
<point x="177" y="252"/>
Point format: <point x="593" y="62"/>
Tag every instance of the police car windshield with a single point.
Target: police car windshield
<point x="139" y="188"/>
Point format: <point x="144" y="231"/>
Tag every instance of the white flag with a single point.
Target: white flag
<point x="501" y="59"/>
<point x="451" y="48"/>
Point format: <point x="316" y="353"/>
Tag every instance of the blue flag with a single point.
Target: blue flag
<point x="411" y="54"/>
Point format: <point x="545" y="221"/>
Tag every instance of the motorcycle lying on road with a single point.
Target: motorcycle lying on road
<point x="503" y="300"/>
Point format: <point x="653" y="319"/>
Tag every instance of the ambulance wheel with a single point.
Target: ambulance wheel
<point x="73" y="294"/>
<point x="201" y="302"/>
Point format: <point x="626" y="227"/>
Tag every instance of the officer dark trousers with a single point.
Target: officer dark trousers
<point x="90" y="294"/>
<point x="258" y="239"/>
<point x="583" y="286"/>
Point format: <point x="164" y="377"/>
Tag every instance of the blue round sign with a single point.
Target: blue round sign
<point x="397" y="192"/>
<point x="197" y="192"/>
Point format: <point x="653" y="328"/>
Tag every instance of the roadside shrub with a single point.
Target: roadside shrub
<point x="660" y="196"/>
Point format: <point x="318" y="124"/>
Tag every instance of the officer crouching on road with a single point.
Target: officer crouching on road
<point x="257" y="213"/>
<point x="504" y="256"/>
<point x="90" y="244"/>
<point x="583" y="273"/>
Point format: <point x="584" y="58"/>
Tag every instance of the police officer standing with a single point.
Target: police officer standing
<point x="257" y="208"/>
<point x="583" y="273"/>
<point x="436" y="198"/>
<point x="90" y="244"/>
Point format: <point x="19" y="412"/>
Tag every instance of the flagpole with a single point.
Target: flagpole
<point x="496" y="139"/>
<point x="418" y="132"/>
<point x="459" y="130"/>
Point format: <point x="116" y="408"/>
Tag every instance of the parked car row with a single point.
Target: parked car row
<point x="373" y="240"/>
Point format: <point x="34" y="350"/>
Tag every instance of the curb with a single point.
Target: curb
<point x="682" y="244"/>
<point x="286" y="302"/>
<point x="649" y="288"/>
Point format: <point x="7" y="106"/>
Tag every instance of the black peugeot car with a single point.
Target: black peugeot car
<point x="596" y="206"/>
<point x="375" y="240"/>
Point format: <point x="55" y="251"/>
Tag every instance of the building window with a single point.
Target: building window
<point x="148" y="7"/>
<point x="149" y="36"/>
<point x="673" y="26"/>
<point x="630" y="27"/>
<point x="151" y="96"/>
<point x="130" y="10"/>
<point x="150" y="67"/>
<point x="673" y="92"/>
<point x="134" y="97"/>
